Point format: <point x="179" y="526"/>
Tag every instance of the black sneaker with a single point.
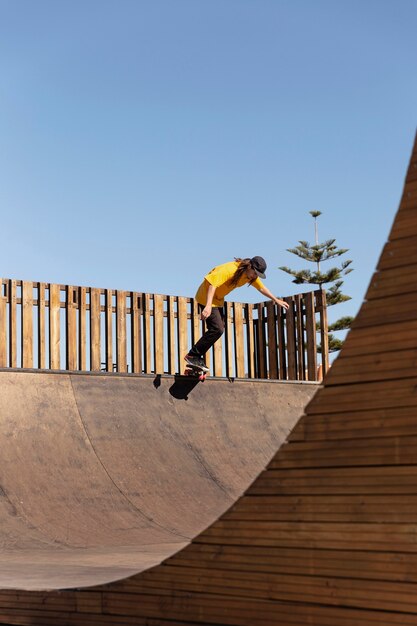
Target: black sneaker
<point x="196" y="361"/>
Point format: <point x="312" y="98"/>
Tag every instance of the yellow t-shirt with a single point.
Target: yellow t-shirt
<point x="221" y="278"/>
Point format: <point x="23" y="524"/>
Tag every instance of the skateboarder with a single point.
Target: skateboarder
<point x="220" y="281"/>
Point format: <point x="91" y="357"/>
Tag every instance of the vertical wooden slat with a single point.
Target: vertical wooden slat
<point x="250" y="340"/>
<point x="121" y="331"/>
<point x="291" y="345"/>
<point x="260" y="342"/>
<point x="71" y="331"/>
<point x="218" y="357"/>
<point x="228" y="340"/>
<point x="136" y="332"/>
<point x="239" y="342"/>
<point x="3" y="327"/>
<point x="324" y="333"/>
<point x="95" y="339"/>
<point x="158" y="321"/>
<point x="272" y="340"/>
<point x="195" y="321"/>
<point x="12" y="323"/>
<point x="171" y="334"/>
<point x="82" y="331"/>
<point x="41" y="338"/>
<point x="281" y="343"/>
<point x="311" y="336"/>
<point x="147" y="333"/>
<point x="182" y="331"/>
<point x="108" y="317"/>
<point x="27" y="324"/>
<point x="54" y="327"/>
<point x="299" y="333"/>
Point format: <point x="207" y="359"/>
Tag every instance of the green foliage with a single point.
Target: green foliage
<point x="315" y="278"/>
<point x="341" y="324"/>
<point x="334" y="344"/>
<point x="320" y="253"/>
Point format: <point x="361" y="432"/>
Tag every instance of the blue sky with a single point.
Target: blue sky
<point x="142" y="143"/>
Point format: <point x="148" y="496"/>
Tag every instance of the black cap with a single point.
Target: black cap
<point x="259" y="265"/>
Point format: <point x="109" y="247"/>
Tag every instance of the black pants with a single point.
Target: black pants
<point x="214" y="330"/>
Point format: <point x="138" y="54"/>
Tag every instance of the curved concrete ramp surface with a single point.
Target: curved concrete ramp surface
<point x="103" y="477"/>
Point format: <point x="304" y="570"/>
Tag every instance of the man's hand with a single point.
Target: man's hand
<point x="206" y="312"/>
<point x="282" y="303"/>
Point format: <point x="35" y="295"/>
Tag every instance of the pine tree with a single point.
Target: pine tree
<point x="318" y="254"/>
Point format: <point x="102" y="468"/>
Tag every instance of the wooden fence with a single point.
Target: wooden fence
<point x="63" y="327"/>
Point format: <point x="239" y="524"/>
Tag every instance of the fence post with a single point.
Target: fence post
<point x="272" y="341"/>
<point x="291" y="341"/>
<point x="311" y="336"/>
<point x="121" y="342"/>
<point x="324" y="329"/>
<point x="3" y="327"/>
<point x="71" y="331"/>
<point x="95" y="343"/>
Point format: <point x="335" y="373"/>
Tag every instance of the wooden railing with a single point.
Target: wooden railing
<point x="62" y="327"/>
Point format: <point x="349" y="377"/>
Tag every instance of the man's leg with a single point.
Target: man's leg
<point x="215" y="329"/>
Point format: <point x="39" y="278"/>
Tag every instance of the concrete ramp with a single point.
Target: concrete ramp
<point x="105" y="476"/>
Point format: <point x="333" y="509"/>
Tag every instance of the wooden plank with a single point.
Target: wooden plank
<point x="389" y="310"/>
<point x="373" y="367"/>
<point x="95" y="330"/>
<point x="172" y="356"/>
<point x="108" y="325"/>
<point x="239" y="340"/>
<point x="158" y="317"/>
<point x="3" y="327"/>
<point x="272" y="340"/>
<point x="228" y="340"/>
<point x="121" y="339"/>
<point x="399" y="253"/>
<point x="136" y="332"/>
<point x="406" y="221"/>
<point x="12" y="298"/>
<point x="250" y="340"/>
<point x="291" y="340"/>
<point x="54" y="327"/>
<point x="393" y="282"/>
<point x="261" y="342"/>
<point x="373" y="395"/>
<point x="367" y="340"/>
<point x="218" y="357"/>
<point x="353" y="425"/>
<point x="385" y="595"/>
<point x="82" y="332"/>
<point x="71" y="328"/>
<point x="311" y="336"/>
<point x="196" y="324"/>
<point x="287" y="560"/>
<point x="27" y="324"/>
<point x="183" y="341"/>
<point x="324" y="333"/>
<point x="282" y="348"/>
<point x="299" y="334"/>
<point x="41" y="338"/>
<point x="147" y="333"/>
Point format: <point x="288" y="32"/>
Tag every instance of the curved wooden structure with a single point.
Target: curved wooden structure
<point x="326" y="535"/>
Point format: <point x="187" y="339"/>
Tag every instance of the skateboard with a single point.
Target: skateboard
<point x="192" y="370"/>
